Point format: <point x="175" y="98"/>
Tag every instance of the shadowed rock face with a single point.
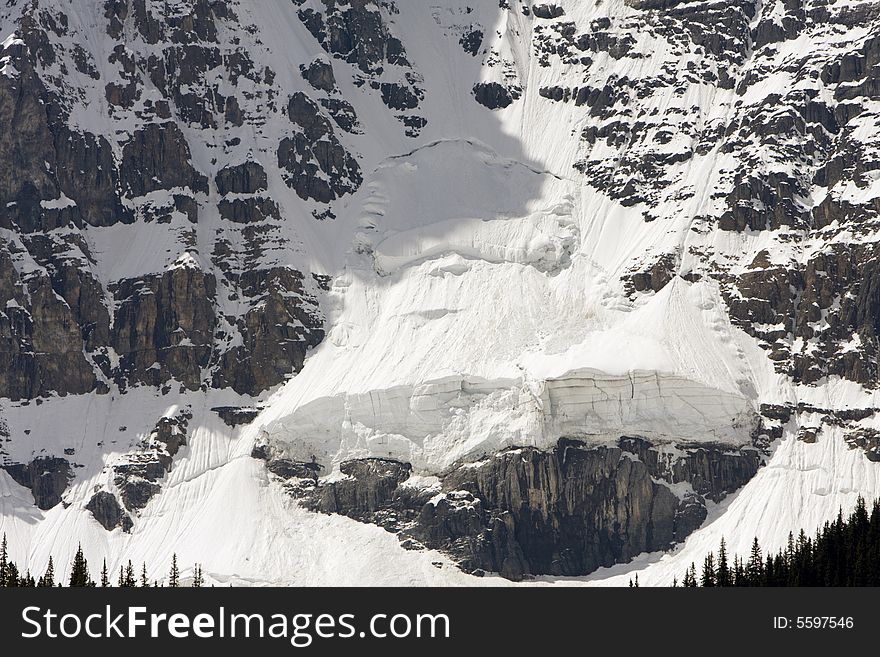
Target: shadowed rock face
<point x="494" y="95"/>
<point x="565" y="512"/>
<point x="526" y="512"/>
<point x="106" y="509"/>
<point x="46" y="477"/>
<point x="137" y="476"/>
<point x="712" y="471"/>
<point x="316" y="164"/>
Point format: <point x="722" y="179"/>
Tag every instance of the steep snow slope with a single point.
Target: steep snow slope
<point x="636" y="231"/>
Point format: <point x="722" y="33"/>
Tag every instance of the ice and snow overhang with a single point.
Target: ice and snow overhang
<point x="669" y="407"/>
<point x="438" y="423"/>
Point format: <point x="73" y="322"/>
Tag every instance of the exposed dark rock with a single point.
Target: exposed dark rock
<point x="40" y="339"/>
<point x="319" y="74"/>
<point x="472" y="41"/>
<point x="713" y="471"/>
<point x="41" y="159"/>
<point x="158" y="157"/>
<point x="655" y="4"/>
<point x="776" y="412"/>
<point x="277" y="331"/>
<point x="316" y="164"/>
<point x="342" y="113"/>
<point x="355" y="32"/>
<point x="808" y="434"/>
<point x="287" y="468"/>
<point x="414" y="124"/>
<point x="46" y="476"/>
<point x="233" y="416"/>
<point x="106" y="509"/>
<point x="866" y="439"/>
<point x="526" y="511"/>
<point x="398" y="96"/>
<point x="494" y="95"/>
<point x="138" y="475"/>
<point x="248" y="210"/>
<point x="166" y="320"/>
<point x="657" y="276"/>
<point x="245" y="178"/>
<point x="547" y="11"/>
<point x="135" y="489"/>
<point x="370" y="484"/>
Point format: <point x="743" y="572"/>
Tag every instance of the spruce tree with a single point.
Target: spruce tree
<point x="690" y="577"/>
<point x="708" y="578"/>
<point x="755" y="565"/>
<point x="79" y="573"/>
<point x="121" y="582"/>
<point x="845" y="552"/>
<point x="174" y="575"/>
<point x="4" y="562"/>
<point x="48" y="579"/>
<point x="723" y="575"/>
<point x="144" y="581"/>
<point x="130" y="580"/>
<point x="105" y="579"/>
<point x="769" y="572"/>
<point x="12" y="579"/>
<point x="198" y="579"/>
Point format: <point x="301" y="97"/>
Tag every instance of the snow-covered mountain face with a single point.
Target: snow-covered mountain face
<point x="328" y="291"/>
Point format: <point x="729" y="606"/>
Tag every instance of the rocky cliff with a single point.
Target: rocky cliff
<point x="527" y="512"/>
<point x="581" y="265"/>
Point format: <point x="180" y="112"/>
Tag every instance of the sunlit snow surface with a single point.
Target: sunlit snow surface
<point x="476" y="303"/>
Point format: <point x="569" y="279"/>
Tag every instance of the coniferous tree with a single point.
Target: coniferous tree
<point x="845" y="552"/>
<point x="4" y="562"/>
<point x="198" y="579"/>
<point x="174" y="575"/>
<point x="144" y="581"/>
<point x="130" y="580"/>
<point x="105" y="579"/>
<point x="769" y="572"/>
<point x="12" y="578"/>
<point x="121" y="582"/>
<point x="48" y="579"/>
<point x="755" y="565"/>
<point x="708" y="578"/>
<point x="723" y="576"/>
<point x="79" y="573"/>
<point x="690" y="577"/>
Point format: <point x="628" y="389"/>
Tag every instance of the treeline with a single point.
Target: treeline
<point x="11" y="577"/>
<point x="845" y="552"/>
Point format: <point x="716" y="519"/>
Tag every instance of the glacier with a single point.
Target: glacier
<point x="479" y="292"/>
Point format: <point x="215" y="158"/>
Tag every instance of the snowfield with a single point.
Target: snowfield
<point x="477" y="301"/>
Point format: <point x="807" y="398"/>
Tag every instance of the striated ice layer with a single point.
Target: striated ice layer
<point x="438" y="423"/>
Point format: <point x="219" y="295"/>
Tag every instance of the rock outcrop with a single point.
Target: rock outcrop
<point x="137" y="477"/>
<point x="106" y="509"/>
<point x="529" y="512"/>
<point x="65" y="326"/>
<point x="47" y="478"/>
